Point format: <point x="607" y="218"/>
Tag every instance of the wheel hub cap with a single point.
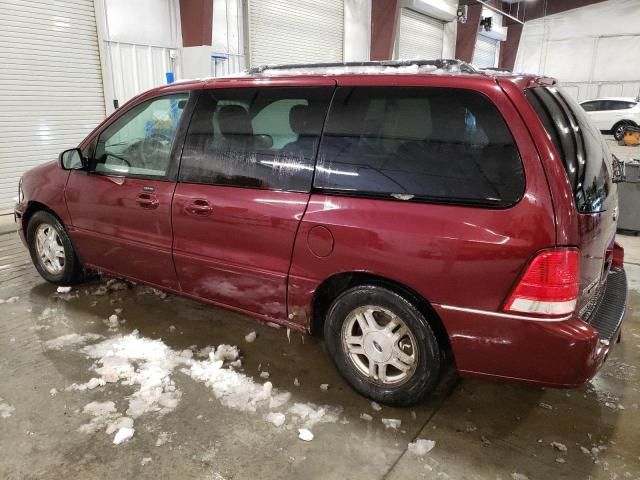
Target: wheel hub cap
<point x="379" y="345"/>
<point x="49" y="249"/>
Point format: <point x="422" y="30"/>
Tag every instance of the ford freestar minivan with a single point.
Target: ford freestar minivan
<point x="412" y="213"/>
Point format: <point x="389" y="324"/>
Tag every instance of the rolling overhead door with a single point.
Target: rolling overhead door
<point x="51" y="91"/>
<point x="286" y="31"/>
<point x="485" y="55"/>
<point x="421" y="36"/>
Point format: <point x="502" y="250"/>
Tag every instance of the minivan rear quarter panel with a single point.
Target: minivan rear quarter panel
<point x="465" y="257"/>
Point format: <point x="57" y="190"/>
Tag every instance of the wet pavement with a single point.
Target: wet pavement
<point x="482" y="430"/>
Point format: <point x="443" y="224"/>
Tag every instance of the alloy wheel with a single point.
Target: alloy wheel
<point x="380" y="345"/>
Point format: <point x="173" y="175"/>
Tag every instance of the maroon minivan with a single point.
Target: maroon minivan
<point x="412" y="214"/>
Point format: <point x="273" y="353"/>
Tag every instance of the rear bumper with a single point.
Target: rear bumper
<point x="555" y="353"/>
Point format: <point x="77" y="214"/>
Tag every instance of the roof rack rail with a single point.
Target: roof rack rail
<point x="449" y="65"/>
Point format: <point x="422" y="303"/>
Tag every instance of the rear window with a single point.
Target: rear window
<point x="420" y="144"/>
<point x="584" y="154"/>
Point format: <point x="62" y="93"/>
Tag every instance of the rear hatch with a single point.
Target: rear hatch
<point x="588" y="165"/>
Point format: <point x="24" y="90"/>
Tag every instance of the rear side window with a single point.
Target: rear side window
<point x="619" y="105"/>
<point x="585" y="156"/>
<point x="256" y="138"/>
<point x="421" y="144"/>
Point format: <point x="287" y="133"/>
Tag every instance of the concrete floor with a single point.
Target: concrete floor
<point x="482" y="430"/>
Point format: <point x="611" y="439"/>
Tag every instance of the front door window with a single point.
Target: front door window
<point x="139" y="142"/>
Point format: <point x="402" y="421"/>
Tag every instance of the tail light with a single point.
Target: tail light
<point x="549" y="286"/>
<point x="618" y="256"/>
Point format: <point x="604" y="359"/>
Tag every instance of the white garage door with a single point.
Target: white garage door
<point x="421" y="36"/>
<point x="288" y="31"/>
<point x="51" y="92"/>
<point x="485" y="55"/>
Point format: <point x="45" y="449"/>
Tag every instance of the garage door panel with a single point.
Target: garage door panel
<point x="51" y="92"/>
<point x="485" y="52"/>
<point x="420" y="37"/>
<point x="296" y="32"/>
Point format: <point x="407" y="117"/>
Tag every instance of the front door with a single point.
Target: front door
<point x="244" y="183"/>
<point x="121" y="209"/>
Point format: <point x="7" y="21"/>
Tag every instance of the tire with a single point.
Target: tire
<point x="56" y="262"/>
<point x="618" y="129"/>
<point x="346" y="338"/>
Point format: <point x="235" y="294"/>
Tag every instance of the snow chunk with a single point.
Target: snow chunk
<point x="561" y="447"/>
<point x="402" y="196"/>
<point x="163" y="438"/>
<point x="70" y="340"/>
<point x="366" y="417"/>
<point x="275" y="418"/>
<point x="305" y="434"/>
<point x="6" y="410"/>
<point x="421" y="447"/>
<point x="265" y="375"/>
<point x="123" y="435"/>
<point x="145" y="460"/>
<point x="519" y="476"/>
<point x="102" y="413"/>
<point x="392" y="423"/>
<point x="90" y="385"/>
<point x="63" y="289"/>
<point x="376" y="406"/>
<point x="250" y="337"/>
<point x="234" y="389"/>
<point x="227" y="353"/>
<point x="324" y="386"/>
<point x="296" y="382"/>
<point x="120" y="423"/>
<point x="311" y="414"/>
<point x="12" y="300"/>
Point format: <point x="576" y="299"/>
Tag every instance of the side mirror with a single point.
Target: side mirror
<point x="72" y="159"/>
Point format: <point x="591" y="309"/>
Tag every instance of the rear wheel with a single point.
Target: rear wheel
<point x="618" y="129"/>
<point x="51" y="250"/>
<point x="383" y="345"/>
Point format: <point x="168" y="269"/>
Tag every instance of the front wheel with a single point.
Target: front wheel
<point x="383" y="345"/>
<point x="51" y="250"/>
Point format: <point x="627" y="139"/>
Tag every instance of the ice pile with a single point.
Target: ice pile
<point x="149" y="366"/>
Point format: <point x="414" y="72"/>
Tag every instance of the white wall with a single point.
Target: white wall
<point x="228" y="38"/>
<point x="139" y="43"/>
<point x="593" y="50"/>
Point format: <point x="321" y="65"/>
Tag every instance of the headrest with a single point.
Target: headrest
<point x="305" y="120"/>
<point x="234" y="120"/>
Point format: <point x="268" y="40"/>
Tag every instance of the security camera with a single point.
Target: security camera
<point x="462" y="13"/>
<point x="486" y="23"/>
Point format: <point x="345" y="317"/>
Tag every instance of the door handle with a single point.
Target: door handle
<point x="146" y="200"/>
<point x="199" y="207"/>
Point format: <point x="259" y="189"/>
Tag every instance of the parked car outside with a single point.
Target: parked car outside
<point x="412" y="215"/>
<point x="613" y="114"/>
